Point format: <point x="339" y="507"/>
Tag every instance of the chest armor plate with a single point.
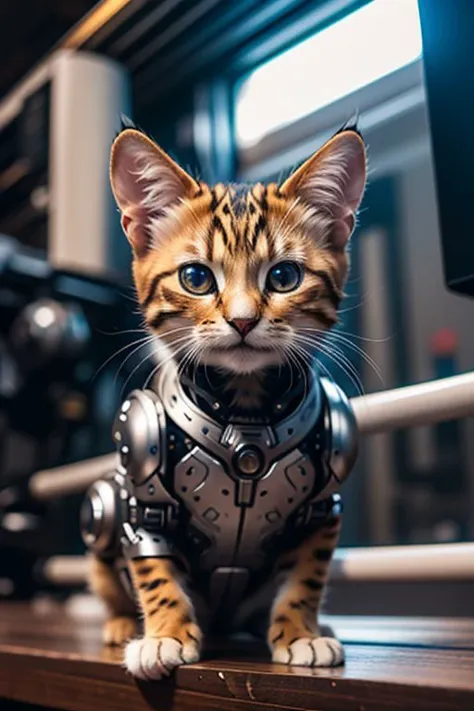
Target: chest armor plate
<point x="230" y="496"/>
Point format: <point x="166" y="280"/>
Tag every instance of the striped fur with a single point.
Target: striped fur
<point x="239" y="232"/>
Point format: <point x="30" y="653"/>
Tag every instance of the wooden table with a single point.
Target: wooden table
<point x="54" y="661"/>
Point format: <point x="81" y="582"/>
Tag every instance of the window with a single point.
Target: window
<point x="374" y="41"/>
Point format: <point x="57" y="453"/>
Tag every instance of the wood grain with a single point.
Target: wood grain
<point x="51" y="660"/>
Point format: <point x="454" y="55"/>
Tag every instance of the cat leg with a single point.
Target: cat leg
<point x="172" y="636"/>
<point x="122" y="624"/>
<point x="294" y="635"/>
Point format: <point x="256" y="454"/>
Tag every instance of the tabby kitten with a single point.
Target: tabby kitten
<point x="238" y="279"/>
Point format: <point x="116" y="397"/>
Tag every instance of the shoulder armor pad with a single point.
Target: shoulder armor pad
<point x="139" y="434"/>
<point x="341" y="427"/>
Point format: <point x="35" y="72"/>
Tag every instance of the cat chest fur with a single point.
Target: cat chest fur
<point x="227" y="497"/>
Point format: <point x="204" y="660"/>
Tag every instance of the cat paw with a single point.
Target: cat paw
<point x="152" y="658"/>
<point x="308" y="652"/>
<point x="118" y="630"/>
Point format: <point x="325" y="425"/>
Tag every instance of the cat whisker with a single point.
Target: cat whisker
<point x="346" y="368"/>
<point x="149" y="340"/>
<point x="337" y="335"/>
<point x="121" y="333"/>
<point x="354" y="307"/>
<point x="144" y="360"/>
<point x="359" y="351"/>
<point x="162" y="363"/>
<point x="340" y="360"/>
<point x="338" y="332"/>
<point x="124" y="348"/>
<point x="294" y="352"/>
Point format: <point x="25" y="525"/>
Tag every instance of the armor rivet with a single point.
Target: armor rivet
<point x="123" y="418"/>
<point x="278" y="406"/>
<point x="124" y="449"/>
<point x="153" y="449"/>
<point x="151" y="489"/>
<point x="215" y="406"/>
<point x="126" y="406"/>
<point x="117" y="436"/>
<point x="248" y="461"/>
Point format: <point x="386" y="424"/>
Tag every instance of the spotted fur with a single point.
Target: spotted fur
<point x="239" y="232"/>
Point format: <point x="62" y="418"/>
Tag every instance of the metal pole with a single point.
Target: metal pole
<point x="427" y="563"/>
<point x="67" y="570"/>
<point x="440" y="561"/>
<point x="71" y="478"/>
<point x="424" y="404"/>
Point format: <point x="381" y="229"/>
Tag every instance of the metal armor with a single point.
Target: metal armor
<point x="226" y="497"/>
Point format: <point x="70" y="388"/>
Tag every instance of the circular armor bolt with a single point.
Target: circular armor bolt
<point x="249" y="461"/>
<point x="98" y="514"/>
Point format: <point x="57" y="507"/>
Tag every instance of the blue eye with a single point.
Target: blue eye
<point x="197" y="279"/>
<point x="283" y="277"/>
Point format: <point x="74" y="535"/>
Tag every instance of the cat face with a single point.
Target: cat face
<point x="238" y="277"/>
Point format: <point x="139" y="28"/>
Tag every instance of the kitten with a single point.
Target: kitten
<point x="241" y="280"/>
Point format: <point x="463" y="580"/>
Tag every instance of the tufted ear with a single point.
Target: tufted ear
<point x="331" y="184"/>
<point x="147" y="184"/>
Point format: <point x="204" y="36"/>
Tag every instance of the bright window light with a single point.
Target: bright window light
<point x="372" y="42"/>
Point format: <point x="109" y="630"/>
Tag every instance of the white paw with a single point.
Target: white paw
<point x="153" y="658"/>
<point x="307" y="652"/>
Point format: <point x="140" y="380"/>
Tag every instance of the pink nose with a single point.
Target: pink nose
<point x="244" y="325"/>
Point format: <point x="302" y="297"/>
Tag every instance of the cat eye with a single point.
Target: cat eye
<point x="283" y="277"/>
<point x="197" y="279"/>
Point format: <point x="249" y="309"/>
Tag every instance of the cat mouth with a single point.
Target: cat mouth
<point x="246" y="348"/>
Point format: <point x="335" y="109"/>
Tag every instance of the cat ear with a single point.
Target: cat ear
<point x="146" y="184"/>
<point x="331" y="184"/>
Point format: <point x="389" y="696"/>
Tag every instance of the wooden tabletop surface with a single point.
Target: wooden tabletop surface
<point x="56" y="660"/>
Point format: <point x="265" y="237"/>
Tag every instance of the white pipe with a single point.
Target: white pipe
<point x="71" y="478"/>
<point x="427" y="403"/>
<point x="422" y="404"/>
<point x="443" y="561"/>
<point x="439" y="562"/>
<point x="67" y="570"/>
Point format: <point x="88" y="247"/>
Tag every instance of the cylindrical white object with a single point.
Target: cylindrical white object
<point x="423" y="404"/>
<point x="89" y="94"/>
<point x="67" y="570"/>
<point x="439" y="562"/>
<point x="443" y="561"/>
<point x="439" y="400"/>
<point x="72" y="478"/>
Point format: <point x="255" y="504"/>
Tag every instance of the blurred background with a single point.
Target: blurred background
<point x="234" y="91"/>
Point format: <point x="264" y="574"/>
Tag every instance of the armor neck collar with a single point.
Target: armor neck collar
<point x="281" y="393"/>
<point x="222" y="437"/>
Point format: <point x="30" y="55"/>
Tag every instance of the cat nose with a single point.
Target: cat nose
<point x="243" y="325"/>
